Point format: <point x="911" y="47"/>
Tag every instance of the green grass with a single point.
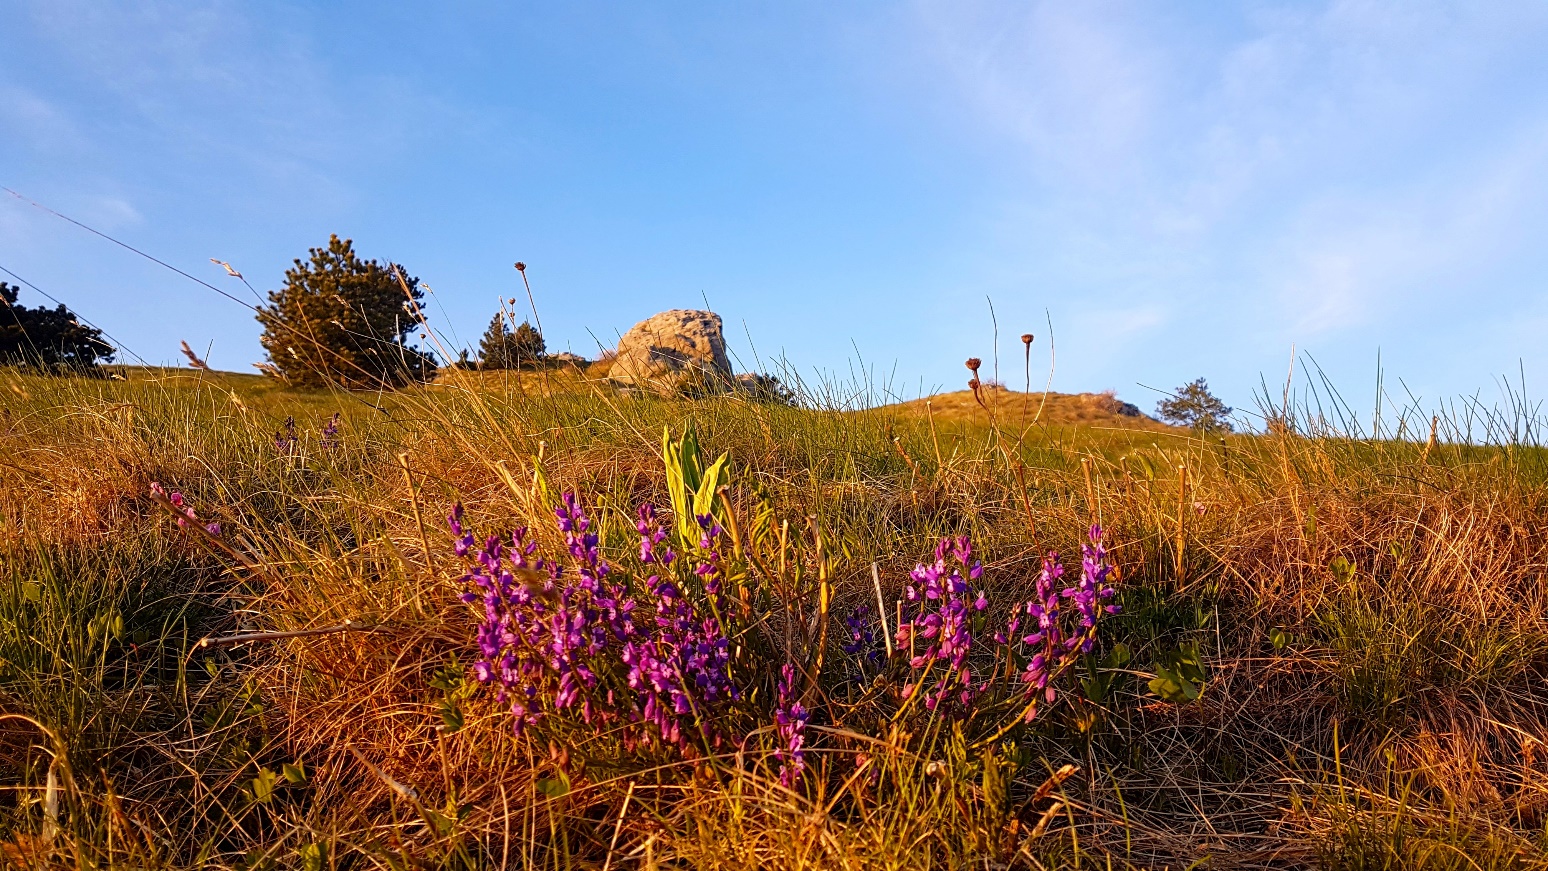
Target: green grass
<point x="1368" y="616"/>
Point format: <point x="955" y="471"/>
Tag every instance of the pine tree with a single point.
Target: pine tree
<point x="527" y="344"/>
<point x="342" y="320"/>
<point x="501" y="348"/>
<point x="494" y="348"/>
<point x="1195" y="407"/>
<point x="50" y="338"/>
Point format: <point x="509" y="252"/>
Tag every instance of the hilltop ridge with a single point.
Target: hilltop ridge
<point x="1014" y="408"/>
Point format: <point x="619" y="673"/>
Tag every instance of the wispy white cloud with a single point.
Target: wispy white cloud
<point x="1078" y="89"/>
<point x="111" y="213"/>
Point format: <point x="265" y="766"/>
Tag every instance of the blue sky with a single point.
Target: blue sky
<point x="1184" y="189"/>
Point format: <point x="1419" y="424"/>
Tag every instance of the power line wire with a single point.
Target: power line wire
<point x="130" y="247"/>
<point x="254" y="309"/>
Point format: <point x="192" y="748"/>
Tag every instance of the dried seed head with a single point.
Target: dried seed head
<point x="520" y="266"/>
<point x="973" y="384"/>
<point x="973" y="363"/>
<point x="193" y="359"/>
<point x="1026" y="338"/>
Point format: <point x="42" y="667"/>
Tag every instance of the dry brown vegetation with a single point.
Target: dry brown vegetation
<point x="1369" y="616"/>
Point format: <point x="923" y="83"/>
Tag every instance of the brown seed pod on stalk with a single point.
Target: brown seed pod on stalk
<point x="973" y="383"/>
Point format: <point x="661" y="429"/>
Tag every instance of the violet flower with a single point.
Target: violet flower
<point x="940" y="613"/>
<point x="185" y="512"/>
<point x="555" y="639"/>
<point x="330" y="433"/>
<point x="285" y="440"/>
<point x="790" y="718"/>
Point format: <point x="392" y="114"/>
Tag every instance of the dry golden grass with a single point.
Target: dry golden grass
<point x="1400" y="725"/>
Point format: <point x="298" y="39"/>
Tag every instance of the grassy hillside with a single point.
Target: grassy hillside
<point x="1014" y="410"/>
<point x="1329" y="653"/>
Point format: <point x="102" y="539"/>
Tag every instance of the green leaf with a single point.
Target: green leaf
<point x="451" y="716"/>
<point x="1173" y="687"/>
<point x="554" y="787"/>
<point x="442" y="823"/>
<point x="1103" y="673"/>
<point x="314" y="857"/>
<point x="540" y="486"/>
<point x="1180" y="676"/>
<point x="1118" y="657"/>
<point x="1187" y="663"/>
<point x="294" y="773"/>
<point x="448" y="679"/>
<point x="704" y="497"/>
<point x="262" y="786"/>
<point x="32" y="591"/>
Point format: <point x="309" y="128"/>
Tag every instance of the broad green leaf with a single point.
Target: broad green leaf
<point x="554" y="787"/>
<point x="263" y="786"/>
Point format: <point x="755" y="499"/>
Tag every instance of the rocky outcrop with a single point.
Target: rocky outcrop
<point x="672" y="353"/>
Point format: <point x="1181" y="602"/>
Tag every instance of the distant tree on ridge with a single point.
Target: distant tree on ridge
<point x="340" y="320"/>
<point x="1195" y="407"/>
<point x="502" y="348"/>
<point x="49" y="338"/>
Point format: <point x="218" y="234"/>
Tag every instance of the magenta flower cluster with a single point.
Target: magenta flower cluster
<point x="330" y="433"/>
<point x="937" y="633"/>
<point x="642" y="656"/>
<point x="1053" y="638"/>
<point x="790" y="718"/>
<point x="685" y="662"/>
<point x="645" y="651"/>
<point x="285" y="439"/>
<point x="185" y="512"/>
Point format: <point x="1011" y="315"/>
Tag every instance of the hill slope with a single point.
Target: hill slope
<point x="1013" y="408"/>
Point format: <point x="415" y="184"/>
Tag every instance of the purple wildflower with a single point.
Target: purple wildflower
<point x="790" y="718"/>
<point x="1092" y="592"/>
<point x="184" y="511"/>
<point x="941" y="616"/>
<point x="860" y="637"/>
<point x="557" y="639"/>
<point x="1054" y="646"/>
<point x="285" y="440"/>
<point x="1047" y="633"/>
<point x="330" y="433"/>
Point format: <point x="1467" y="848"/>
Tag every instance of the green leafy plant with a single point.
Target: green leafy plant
<point x="692" y="486"/>
<point x="1180" y="676"/>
